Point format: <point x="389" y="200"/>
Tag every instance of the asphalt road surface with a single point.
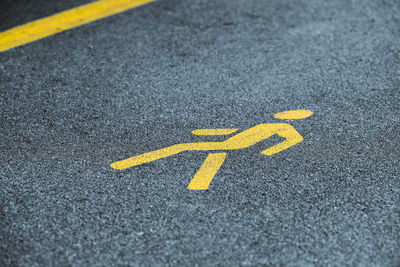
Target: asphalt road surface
<point x="73" y="103"/>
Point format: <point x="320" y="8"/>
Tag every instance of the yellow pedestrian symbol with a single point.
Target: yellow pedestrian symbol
<point x="214" y="160"/>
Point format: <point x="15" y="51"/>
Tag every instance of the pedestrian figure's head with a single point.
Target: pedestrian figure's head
<point x="293" y="114"/>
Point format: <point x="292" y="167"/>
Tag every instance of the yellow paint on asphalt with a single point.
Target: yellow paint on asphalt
<point x="65" y="20"/>
<point x="293" y="114"/>
<point x="214" y="131"/>
<point x="241" y="140"/>
<point x="207" y="171"/>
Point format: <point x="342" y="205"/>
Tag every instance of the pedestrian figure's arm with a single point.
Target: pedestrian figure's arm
<point x="292" y="138"/>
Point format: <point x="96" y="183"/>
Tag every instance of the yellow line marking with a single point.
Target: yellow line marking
<point x="214" y="131"/>
<point x="65" y="20"/>
<point x="241" y="140"/>
<point x="207" y="171"/>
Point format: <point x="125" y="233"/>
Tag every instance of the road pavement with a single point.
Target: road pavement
<point x="73" y="103"/>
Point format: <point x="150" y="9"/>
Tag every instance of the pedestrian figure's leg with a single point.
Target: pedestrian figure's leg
<point x="207" y="171"/>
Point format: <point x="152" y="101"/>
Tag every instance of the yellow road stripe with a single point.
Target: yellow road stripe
<point x="214" y="131"/>
<point x="65" y="20"/>
<point x="207" y="171"/>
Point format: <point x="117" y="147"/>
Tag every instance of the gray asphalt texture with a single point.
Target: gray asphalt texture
<point x="73" y="103"/>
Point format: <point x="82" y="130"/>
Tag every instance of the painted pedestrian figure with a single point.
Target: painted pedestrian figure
<point x="241" y="140"/>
